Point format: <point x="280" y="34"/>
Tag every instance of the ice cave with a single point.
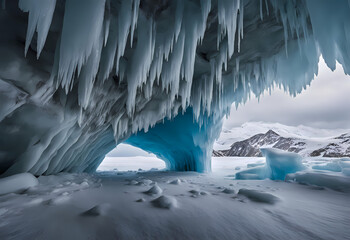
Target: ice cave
<point x="79" y="78"/>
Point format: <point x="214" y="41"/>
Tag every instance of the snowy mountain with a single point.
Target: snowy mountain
<point x="306" y="141"/>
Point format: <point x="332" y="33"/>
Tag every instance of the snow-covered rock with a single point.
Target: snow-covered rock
<point x="228" y="191"/>
<point x="164" y="201"/>
<point x="17" y="183"/>
<point x="175" y="182"/>
<point x="155" y="190"/>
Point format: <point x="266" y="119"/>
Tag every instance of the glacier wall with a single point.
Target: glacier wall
<point x="76" y="79"/>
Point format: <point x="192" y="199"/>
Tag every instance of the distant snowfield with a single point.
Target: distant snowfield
<point x="133" y="163"/>
<point x="181" y="205"/>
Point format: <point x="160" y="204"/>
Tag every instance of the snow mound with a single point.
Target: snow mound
<point x="337" y="183"/>
<point x="17" y="183"/>
<point x="258" y="196"/>
<point x="175" y="182"/>
<point x="164" y="201"/>
<point x="278" y="164"/>
<point x="228" y="191"/>
<point x="155" y="190"/>
<point x="98" y="210"/>
<point x="195" y="193"/>
<point x="146" y="182"/>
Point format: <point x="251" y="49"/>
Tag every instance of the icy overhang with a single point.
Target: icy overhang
<point x="78" y="77"/>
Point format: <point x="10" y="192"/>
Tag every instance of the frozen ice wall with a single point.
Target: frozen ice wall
<point x="78" y="77"/>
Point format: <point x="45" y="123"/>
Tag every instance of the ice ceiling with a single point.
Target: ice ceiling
<point x="78" y="77"/>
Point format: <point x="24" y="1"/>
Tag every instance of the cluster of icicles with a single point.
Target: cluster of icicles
<point x="173" y="55"/>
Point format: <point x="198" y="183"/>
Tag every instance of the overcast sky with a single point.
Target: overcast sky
<point x="324" y="104"/>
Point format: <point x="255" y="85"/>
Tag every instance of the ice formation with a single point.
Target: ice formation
<point x="336" y="183"/>
<point x="278" y="164"/>
<point x="77" y="78"/>
<point x="17" y="183"/>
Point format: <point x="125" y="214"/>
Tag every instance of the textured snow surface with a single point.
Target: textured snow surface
<point x="81" y="77"/>
<point x="106" y="206"/>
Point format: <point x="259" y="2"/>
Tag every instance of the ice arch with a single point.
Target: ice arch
<point x="181" y="142"/>
<point x="77" y="78"/>
<point x="126" y="157"/>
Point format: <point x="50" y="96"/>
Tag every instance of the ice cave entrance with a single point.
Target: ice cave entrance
<point x="129" y="158"/>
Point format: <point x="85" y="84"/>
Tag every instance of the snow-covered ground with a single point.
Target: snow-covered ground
<point x="178" y="205"/>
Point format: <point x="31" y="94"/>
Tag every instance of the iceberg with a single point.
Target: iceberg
<point x="278" y="164"/>
<point x="78" y="78"/>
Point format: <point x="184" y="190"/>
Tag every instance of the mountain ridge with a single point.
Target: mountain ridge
<point x="312" y="144"/>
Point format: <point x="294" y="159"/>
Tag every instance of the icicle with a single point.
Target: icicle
<point x="240" y="25"/>
<point x="109" y="51"/>
<point x="179" y="17"/>
<point x="141" y="61"/>
<point x="135" y="14"/>
<point x="206" y="7"/>
<point x="227" y="18"/>
<point x="124" y="23"/>
<point x="267" y="7"/>
<point x="40" y="17"/>
<point x="88" y="74"/>
<point x="106" y="22"/>
<point x="80" y="33"/>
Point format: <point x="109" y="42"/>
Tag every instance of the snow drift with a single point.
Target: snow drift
<point x="78" y="78"/>
<point x="17" y="183"/>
